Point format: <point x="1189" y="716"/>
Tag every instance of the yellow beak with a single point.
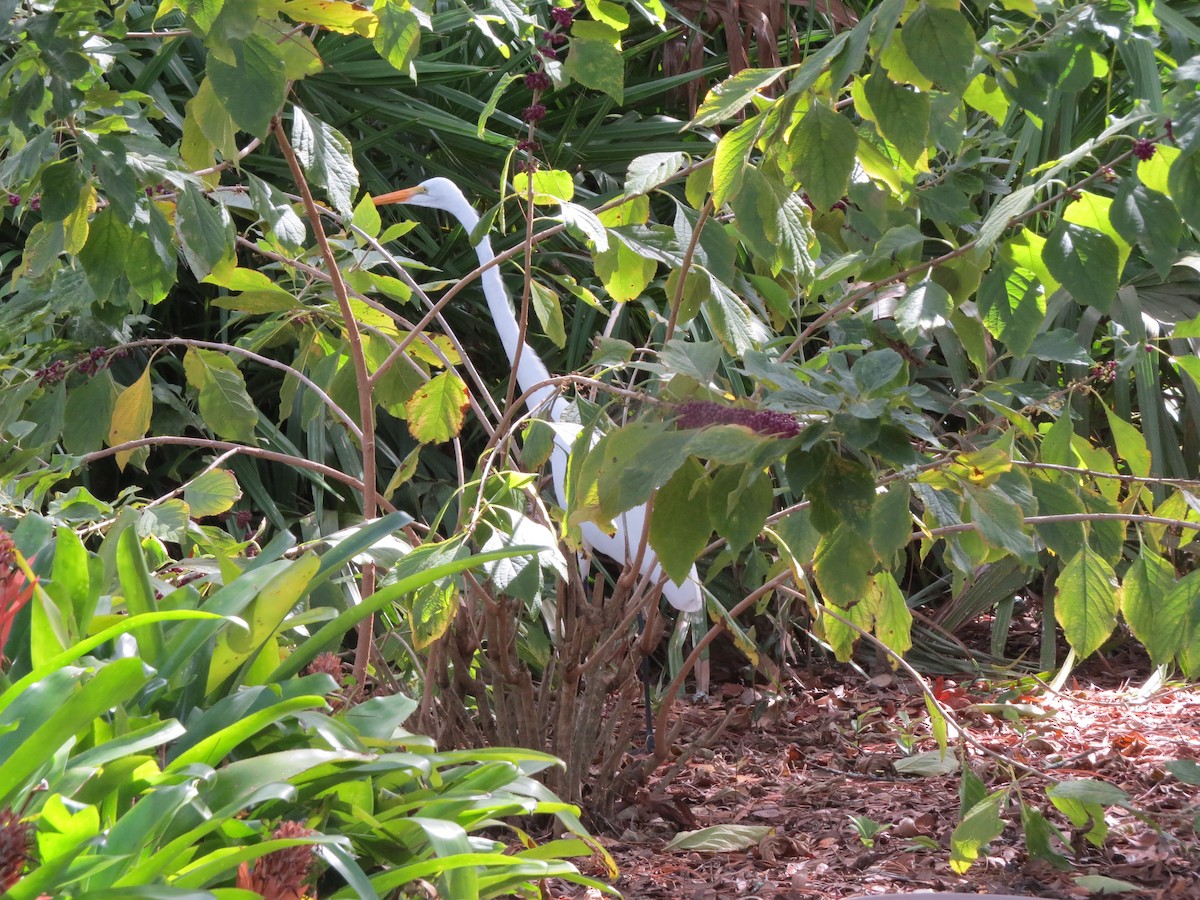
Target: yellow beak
<point x="401" y="196"/>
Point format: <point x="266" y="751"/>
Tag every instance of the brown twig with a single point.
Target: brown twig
<point x="366" y="402"/>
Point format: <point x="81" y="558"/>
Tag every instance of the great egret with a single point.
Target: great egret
<point x="533" y="378"/>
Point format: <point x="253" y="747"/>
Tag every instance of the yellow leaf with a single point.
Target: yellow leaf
<point x="336" y="15"/>
<point x="131" y="416"/>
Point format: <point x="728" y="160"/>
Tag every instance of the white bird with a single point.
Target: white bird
<point x="624" y="543"/>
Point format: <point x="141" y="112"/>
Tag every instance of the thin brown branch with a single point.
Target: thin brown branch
<point x="366" y="401"/>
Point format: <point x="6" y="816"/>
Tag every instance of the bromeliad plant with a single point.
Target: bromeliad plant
<point x="158" y="756"/>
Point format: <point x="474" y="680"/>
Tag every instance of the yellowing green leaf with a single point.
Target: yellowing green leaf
<point x="131" y="416"/>
<point x="625" y="272"/>
<point x="435" y="412"/>
<point x="264" y="616"/>
<point x="1144" y="603"/>
<point x="336" y="15"/>
<point x="893" y="620"/>
<point x="1086" y="605"/>
<point x="595" y="58"/>
<point x="211" y="493"/>
<point x="549" y="186"/>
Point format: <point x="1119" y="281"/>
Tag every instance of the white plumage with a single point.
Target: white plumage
<point x="623" y="544"/>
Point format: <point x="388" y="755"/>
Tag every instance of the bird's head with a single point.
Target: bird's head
<point x="435" y="193"/>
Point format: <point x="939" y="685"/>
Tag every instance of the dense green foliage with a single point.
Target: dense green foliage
<point x="908" y="320"/>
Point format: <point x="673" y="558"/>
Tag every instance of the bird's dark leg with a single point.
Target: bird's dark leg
<point x="644" y="671"/>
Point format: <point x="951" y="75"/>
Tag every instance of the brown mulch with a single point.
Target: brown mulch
<point x="805" y="763"/>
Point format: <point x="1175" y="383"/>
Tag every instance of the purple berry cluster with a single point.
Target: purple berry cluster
<point x="89" y="362"/>
<point x="1143" y="149"/>
<point x="35" y="202"/>
<point x="1104" y="372"/>
<point x="539" y="81"/>
<point x="701" y="413"/>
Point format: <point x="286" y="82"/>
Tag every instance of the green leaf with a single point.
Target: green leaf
<point x="270" y="203"/>
<point x="326" y="157"/>
<point x="1102" y="884"/>
<point x="263" y="616"/>
<point x="1059" y="498"/>
<point x="843" y="494"/>
<point x="1060" y="345"/>
<point x="366" y="217"/>
<point x="1086" y="603"/>
<point x="435" y="411"/>
<point x="1084" y="261"/>
<point x="1083" y="800"/>
<point x="1186" y="770"/>
<point x="746" y="509"/>
<point x="821" y="154"/>
<point x="609" y="12"/>
<point x="1131" y="445"/>
<point x="251" y="89"/>
<point x="433" y="609"/>
<point x="901" y="113"/>
<point x="211" y="493"/>
<point x="104" y="256"/>
<point x="875" y="372"/>
<point x="595" y="58"/>
<point x="731" y="160"/>
<point x="720" y="838"/>
<point x="942" y="45"/>
<point x="139" y="594"/>
<point x="88" y="414"/>
<point x="1000" y="523"/>
<point x="206" y="232"/>
<point x="1056" y="445"/>
<point x="648" y="171"/>
<point x="891" y="520"/>
<point x="1013" y="306"/>
<point x="980" y="826"/>
<point x="62" y="190"/>
<point x="679" y="522"/>
<point x="1038" y="832"/>
<point x="1184" y="183"/>
<point x="151" y="261"/>
<point x="985" y="95"/>
<point x="550" y="186"/>
<point x="624" y="271"/>
<point x="1155" y="614"/>
<point x="549" y="312"/>
<point x="224" y="404"/>
<point x="729" y="97"/>
<point x="927" y="764"/>
<point x="843" y="566"/>
<point x="1185" y="595"/>
<point x="625" y="467"/>
<point x="398" y="35"/>
<point x="58" y="708"/>
<point x="926" y="306"/>
<point x="1146" y="217"/>
<point x="893" y="620"/>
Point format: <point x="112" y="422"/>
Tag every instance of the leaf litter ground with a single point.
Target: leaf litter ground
<point x="806" y="762"/>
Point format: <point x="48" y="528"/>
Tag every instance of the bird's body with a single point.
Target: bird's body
<point x="534" y="380"/>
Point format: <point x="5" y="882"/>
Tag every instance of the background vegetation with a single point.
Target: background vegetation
<point x="890" y="309"/>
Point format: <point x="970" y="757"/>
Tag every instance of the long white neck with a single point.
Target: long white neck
<point x="530" y="369"/>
